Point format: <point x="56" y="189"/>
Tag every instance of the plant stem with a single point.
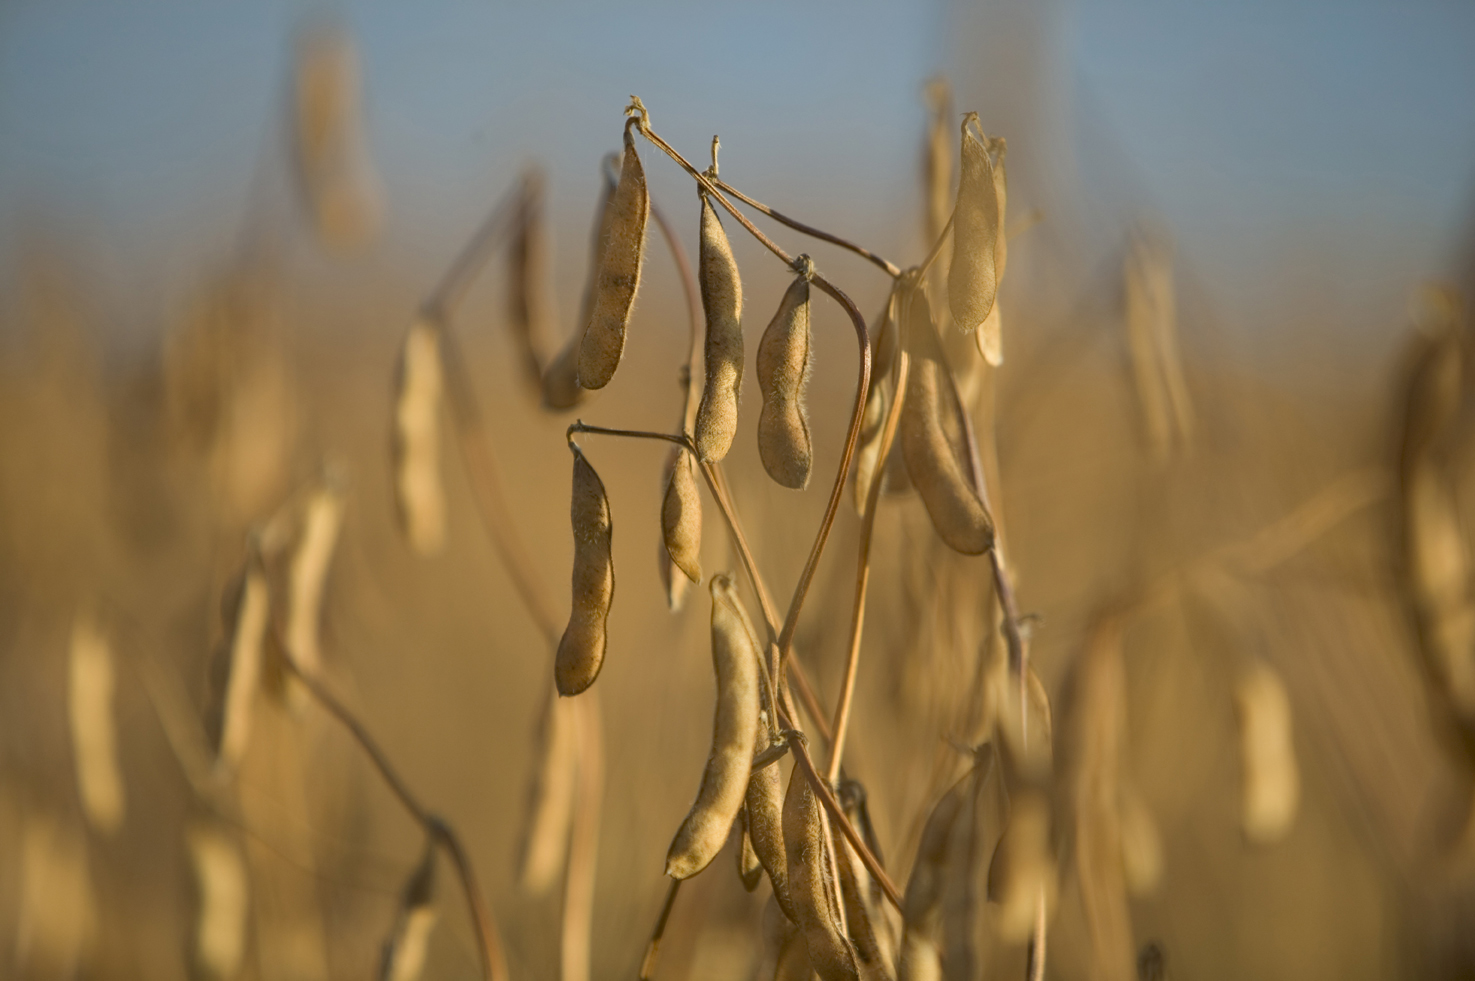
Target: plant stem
<point x="583" y="853"/>
<point x="891" y="269"/>
<point x="489" y="944"/>
<point x="653" y="949"/>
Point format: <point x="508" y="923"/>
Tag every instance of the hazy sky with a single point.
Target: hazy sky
<point x="1256" y="131"/>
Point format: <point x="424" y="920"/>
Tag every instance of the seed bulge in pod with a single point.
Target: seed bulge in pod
<point x="765" y="804"/>
<point x="734" y="733"/>
<point x="581" y="651"/>
<point x="973" y="276"/>
<point x="954" y="506"/>
<point x="623" y="251"/>
<point x="830" y="953"/>
<point x="722" y="299"/>
<point x="783" y="372"/>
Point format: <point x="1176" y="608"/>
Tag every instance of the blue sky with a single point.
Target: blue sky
<point x="1341" y="133"/>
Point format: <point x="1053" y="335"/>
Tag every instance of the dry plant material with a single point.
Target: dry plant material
<point x="223" y="900"/>
<point x="921" y="955"/>
<point x="322" y="519"/>
<point x="972" y="280"/>
<point x="722" y="299"/>
<point x="418" y="494"/>
<point x="527" y="301"/>
<point x="94" y="730"/>
<point x="1152" y="338"/>
<point x="1093" y="779"/>
<point x="561" y="389"/>
<point x="681" y="520"/>
<point x="1023" y="866"/>
<point x="990" y="334"/>
<point x="621" y="255"/>
<point x="937" y="161"/>
<point x="734" y="733"/>
<point x="764" y="804"/>
<point x="813" y="904"/>
<point x="1142" y="845"/>
<point x="750" y="870"/>
<point x="783" y="373"/>
<point x="248" y="625"/>
<point x="885" y="341"/>
<point x="581" y="651"/>
<point x="57" y="921"/>
<point x="333" y="165"/>
<point x="1271" y="790"/>
<point x="550" y="800"/>
<point x="404" y="951"/>
<point x="940" y="477"/>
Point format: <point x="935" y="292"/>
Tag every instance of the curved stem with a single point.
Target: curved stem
<point x="889" y="268"/>
<point x="863" y="570"/>
<point x="489" y="943"/>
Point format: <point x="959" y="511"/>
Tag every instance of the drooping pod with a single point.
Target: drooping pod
<point x="418" y="494"/>
<point x="972" y="279"/>
<point x="322" y="518"/>
<point x="1023" y="868"/>
<point x="783" y="372"/>
<point x="224" y="899"/>
<point x="246" y="621"/>
<point x="1272" y="784"/>
<point x="561" y="390"/>
<point x="581" y="651"/>
<point x="764" y="803"/>
<point x="921" y="957"/>
<point x="750" y="870"/>
<point x="954" y="506"/>
<point x="681" y="515"/>
<point x="814" y="906"/>
<point x="722" y="300"/>
<point x="734" y="733"/>
<point x="404" y="951"/>
<point x="620" y="259"/>
<point x="868" y="467"/>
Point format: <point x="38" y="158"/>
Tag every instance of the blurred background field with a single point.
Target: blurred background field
<point x="183" y="355"/>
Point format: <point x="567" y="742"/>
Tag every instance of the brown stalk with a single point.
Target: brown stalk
<point x="863" y="570"/>
<point x="653" y="949"/>
<point x="889" y="268"/>
<point x="489" y="943"/>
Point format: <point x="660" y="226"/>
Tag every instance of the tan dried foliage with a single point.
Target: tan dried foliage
<point x="418" y="494"/>
<point x="940" y="477"/>
<point x="735" y="655"/>
<point x="581" y="650"/>
<point x="783" y="373"/>
<point x="722" y="300"/>
<point x="973" y="276"/>
<point x="621" y="255"/>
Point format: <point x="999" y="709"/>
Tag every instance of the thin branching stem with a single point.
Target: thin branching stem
<point x="863" y="568"/>
<point x="489" y="942"/>
<point x="880" y="262"/>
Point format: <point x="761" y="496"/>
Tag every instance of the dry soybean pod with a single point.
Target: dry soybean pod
<point x="972" y="278"/>
<point x="581" y="651"/>
<point x="868" y="445"/>
<point x="990" y="334"/>
<point x="922" y="906"/>
<point x="1272" y="784"/>
<point x="783" y="372"/>
<point x="722" y="299"/>
<point x="404" y="951"/>
<point x="830" y="952"/>
<point x="418" y="494"/>
<point x="681" y="516"/>
<point x="957" y="513"/>
<point x="750" y="870"/>
<point x="734" y="733"/>
<point x="550" y="800"/>
<point x="764" y="805"/>
<point x="561" y="389"/>
<point x="248" y="624"/>
<point x="620" y="258"/>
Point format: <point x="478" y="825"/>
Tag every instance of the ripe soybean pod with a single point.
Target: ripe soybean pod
<point x="954" y="506"/>
<point x="619" y="274"/>
<point x="783" y="372"/>
<point x="561" y="377"/>
<point x="765" y="803"/>
<point x="830" y="953"/>
<point x="581" y="651"/>
<point x="734" y="733"/>
<point x="722" y="300"/>
<point x="973" y="276"/>
<point x="681" y="515"/>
